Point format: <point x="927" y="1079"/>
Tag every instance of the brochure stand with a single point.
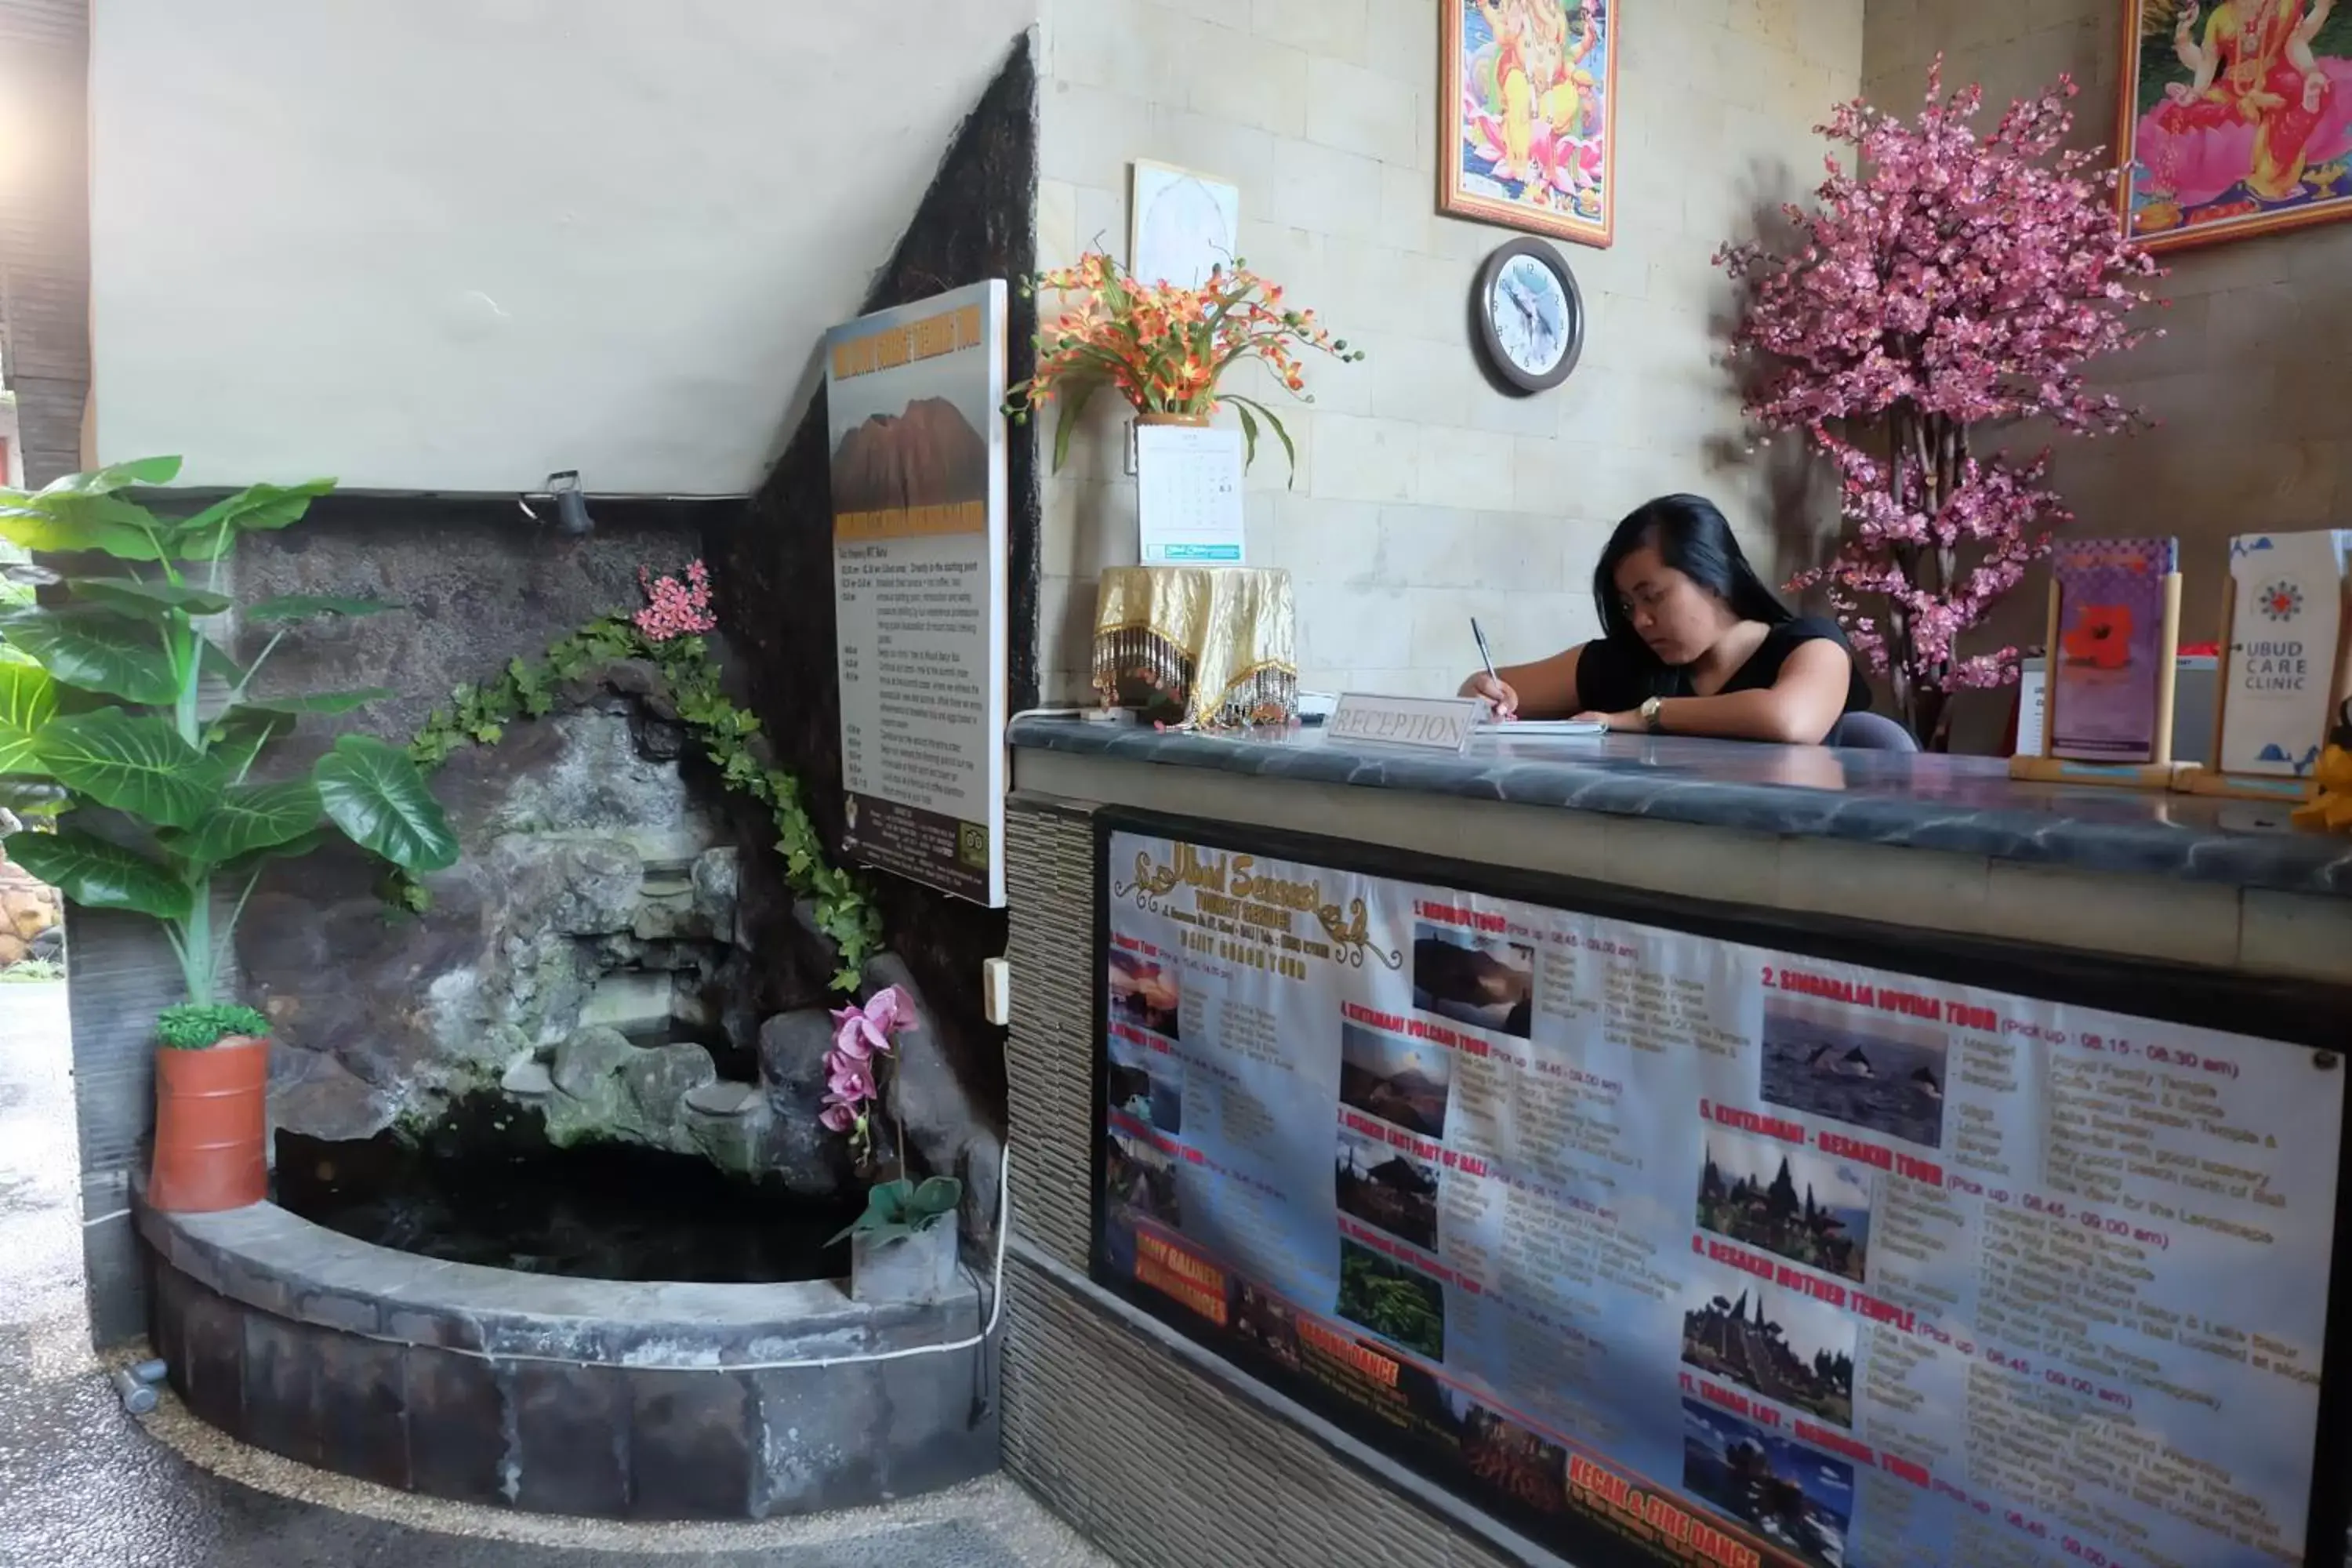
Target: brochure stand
<point x="2213" y="779"/>
<point x="2160" y="772"/>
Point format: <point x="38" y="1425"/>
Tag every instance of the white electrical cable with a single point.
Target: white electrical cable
<point x="995" y="1311"/>
<point x="101" y="1219"/>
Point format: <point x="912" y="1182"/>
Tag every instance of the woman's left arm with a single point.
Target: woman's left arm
<point x="1799" y="709"/>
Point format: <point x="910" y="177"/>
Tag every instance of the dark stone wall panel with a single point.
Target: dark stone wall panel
<point x="774" y="563"/>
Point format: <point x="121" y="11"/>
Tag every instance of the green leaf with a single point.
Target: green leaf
<point x="28" y="701"/>
<point x="318" y="701"/>
<point x="213" y="660"/>
<point x="1249" y="434"/>
<point x="1066" y="424"/>
<point x="92" y="647"/>
<point x="936" y="1195"/>
<point x="375" y="794"/>
<point x="256" y="509"/>
<point x="137" y="764"/>
<point x="237" y="737"/>
<point x="75" y="524"/>
<point x="887" y="1200"/>
<point x="300" y="606"/>
<point x="101" y="876"/>
<point x="293" y="849"/>
<point x="1247" y="406"/>
<point x="116" y="477"/>
<point x="250" y="817"/>
<point x="147" y="600"/>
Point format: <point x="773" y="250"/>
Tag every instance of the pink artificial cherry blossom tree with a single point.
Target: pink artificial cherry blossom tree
<point x="1956" y="282"/>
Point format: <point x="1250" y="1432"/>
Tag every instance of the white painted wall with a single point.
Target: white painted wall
<point x="456" y="244"/>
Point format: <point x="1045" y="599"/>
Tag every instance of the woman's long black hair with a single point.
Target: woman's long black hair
<point x="1691" y="536"/>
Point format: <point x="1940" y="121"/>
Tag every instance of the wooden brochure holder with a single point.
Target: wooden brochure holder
<point x="2160" y="771"/>
<point x="2211" y="779"/>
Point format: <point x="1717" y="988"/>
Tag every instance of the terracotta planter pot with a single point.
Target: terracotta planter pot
<point x="211" y="1123"/>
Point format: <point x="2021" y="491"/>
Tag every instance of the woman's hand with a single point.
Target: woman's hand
<point x="1494" y="689"/>
<point x="1619" y="721"/>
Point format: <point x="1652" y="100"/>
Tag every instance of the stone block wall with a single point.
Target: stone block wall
<point x="1423" y="496"/>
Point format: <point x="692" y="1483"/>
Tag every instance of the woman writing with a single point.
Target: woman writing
<point x="1693" y="644"/>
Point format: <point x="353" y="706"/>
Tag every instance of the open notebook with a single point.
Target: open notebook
<point x="1537" y="729"/>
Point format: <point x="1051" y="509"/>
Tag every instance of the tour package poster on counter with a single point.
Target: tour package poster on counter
<point x="1660" y="1245"/>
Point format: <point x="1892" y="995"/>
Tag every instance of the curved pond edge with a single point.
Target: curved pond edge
<point x="554" y="1396"/>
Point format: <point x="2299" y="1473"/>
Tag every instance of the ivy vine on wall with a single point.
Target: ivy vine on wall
<point x="665" y="635"/>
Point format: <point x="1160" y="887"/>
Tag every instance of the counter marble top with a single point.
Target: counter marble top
<point x="1967" y="805"/>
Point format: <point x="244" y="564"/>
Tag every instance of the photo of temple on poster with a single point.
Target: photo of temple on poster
<point x="1526" y="131"/>
<point x="1663" y="1246"/>
<point x="913" y="398"/>
<point x="2236" y="118"/>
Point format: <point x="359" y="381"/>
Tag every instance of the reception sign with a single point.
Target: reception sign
<point x="912" y="396"/>
<point x="1663" y="1246"/>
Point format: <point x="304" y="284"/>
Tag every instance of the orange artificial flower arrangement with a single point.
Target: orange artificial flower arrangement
<point x="1164" y="347"/>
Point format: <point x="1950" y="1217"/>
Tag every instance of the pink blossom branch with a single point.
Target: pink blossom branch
<point x="1955" y="281"/>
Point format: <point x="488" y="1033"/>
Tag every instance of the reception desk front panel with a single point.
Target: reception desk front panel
<point x="1674" y="1232"/>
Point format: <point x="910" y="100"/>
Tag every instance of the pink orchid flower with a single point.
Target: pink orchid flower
<point x="849" y="1082"/>
<point x="860" y="1032"/>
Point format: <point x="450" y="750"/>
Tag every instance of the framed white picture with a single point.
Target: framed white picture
<point x="1180" y="224"/>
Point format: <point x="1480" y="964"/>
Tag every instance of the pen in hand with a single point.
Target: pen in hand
<point x="1486" y="656"/>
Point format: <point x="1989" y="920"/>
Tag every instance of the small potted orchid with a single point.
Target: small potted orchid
<point x="903" y="1247"/>
<point x="1166" y="348"/>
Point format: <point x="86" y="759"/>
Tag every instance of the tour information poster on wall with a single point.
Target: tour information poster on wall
<point x="912" y="397"/>
<point x="1661" y="1247"/>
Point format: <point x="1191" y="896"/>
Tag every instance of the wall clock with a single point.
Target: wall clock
<point x="1527" y="318"/>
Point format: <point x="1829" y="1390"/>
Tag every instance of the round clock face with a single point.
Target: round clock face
<point x="1527" y="319"/>
<point x="1529" y="310"/>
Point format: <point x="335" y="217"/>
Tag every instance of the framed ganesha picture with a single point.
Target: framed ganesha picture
<point x="1527" y="92"/>
<point x="2236" y="118"/>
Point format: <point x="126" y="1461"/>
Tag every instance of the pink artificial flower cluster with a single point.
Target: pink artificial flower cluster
<point x="676" y="609"/>
<point x="1955" y="280"/>
<point x="861" y="1041"/>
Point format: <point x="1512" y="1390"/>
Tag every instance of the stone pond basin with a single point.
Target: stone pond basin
<point x="566" y="1395"/>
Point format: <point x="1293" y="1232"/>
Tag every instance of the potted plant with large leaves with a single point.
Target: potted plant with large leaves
<point x="101" y="700"/>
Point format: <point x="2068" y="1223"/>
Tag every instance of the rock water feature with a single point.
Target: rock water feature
<point x="587" y="962"/>
<point x="554" y="1204"/>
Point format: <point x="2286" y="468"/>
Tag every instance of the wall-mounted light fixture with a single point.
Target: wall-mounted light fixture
<point x="571" y="519"/>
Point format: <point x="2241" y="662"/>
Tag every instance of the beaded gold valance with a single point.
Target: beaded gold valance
<point x="1198" y="645"/>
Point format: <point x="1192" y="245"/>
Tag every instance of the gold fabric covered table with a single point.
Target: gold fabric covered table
<point x="1199" y="647"/>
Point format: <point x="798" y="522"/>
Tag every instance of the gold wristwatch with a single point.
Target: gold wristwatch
<point x="1650" y="720"/>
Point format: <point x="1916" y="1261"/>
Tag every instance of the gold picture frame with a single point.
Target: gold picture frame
<point x="1527" y="116"/>
<point x="2233" y="119"/>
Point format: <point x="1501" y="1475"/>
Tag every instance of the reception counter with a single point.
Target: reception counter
<point x="1650" y="1150"/>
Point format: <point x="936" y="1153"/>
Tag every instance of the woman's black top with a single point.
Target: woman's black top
<point x="1610" y="680"/>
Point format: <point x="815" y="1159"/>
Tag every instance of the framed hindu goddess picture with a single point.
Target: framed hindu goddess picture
<point x="1528" y="96"/>
<point x="2236" y="118"/>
